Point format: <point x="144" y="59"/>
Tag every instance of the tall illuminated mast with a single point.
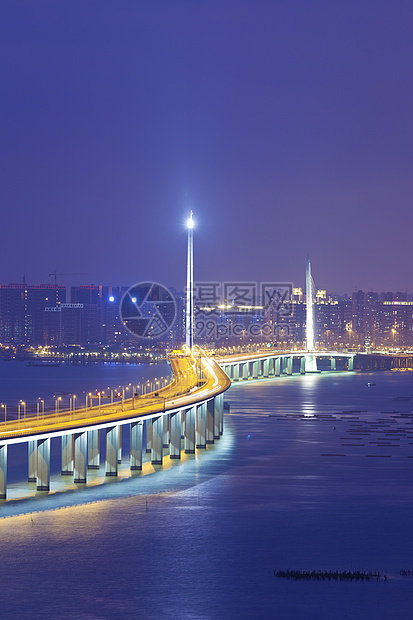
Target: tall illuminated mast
<point x="189" y="324"/>
<point x="309" y="328"/>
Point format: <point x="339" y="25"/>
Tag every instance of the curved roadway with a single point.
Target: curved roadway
<point x="196" y="379"/>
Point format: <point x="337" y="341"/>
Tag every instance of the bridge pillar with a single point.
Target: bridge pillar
<point x="210" y="420"/>
<point x="93" y="454"/>
<point x="32" y="460"/>
<point x="217" y="416"/>
<point x="200" y="426"/>
<point x="3" y="471"/>
<point x="80" y="460"/>
<point x="166" y="421"/>
<point x="289" y="366"/>
<point x="136" y="438"/>
<point x="350" y="363"/>
<point x="277" y="366"/>
<point x="236" y="372"/>
<point x="175" y="435"/>
<point x="265" y="368"/>
<point x="149" y="433"/>
<point x="43" y="464"/>
<point x="302" y="365"/>
<point x="255" y="370"/>
<point x="333" y="363"/>
<point x="310" y="363"/>
<point x="271" y="369"/>
<point x="182" y="423"/>
<point x="190" y="431"/>
<point x="120" y="445"/>
<point x="245" y="371"/>
<point x="67" y="457"/>
<point x="157" y="441"/>
<point x="112" y="447"/>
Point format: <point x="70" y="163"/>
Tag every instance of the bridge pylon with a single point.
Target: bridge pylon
<point x="310" y="358"/>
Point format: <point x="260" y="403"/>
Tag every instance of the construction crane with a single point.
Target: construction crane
<point x="55" y="274"/>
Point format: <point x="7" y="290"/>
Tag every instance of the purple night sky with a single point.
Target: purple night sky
<point x="286" y="125"/>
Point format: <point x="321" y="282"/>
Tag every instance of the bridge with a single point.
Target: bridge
<point x="265" y="364"/>
<point x="190" y="408"/>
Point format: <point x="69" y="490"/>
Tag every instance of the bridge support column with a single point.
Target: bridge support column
<point x="43" y="464"/>
<point x="190" y="431"/>
<point x="310" y="363"/>
<point x="277" y="366"/>
<point x="217" y="416"/>
<point x="157" y="441"/>
<point x="255" y="370"/>
<point x="67" y="457"/>
<point x="120" y="445"/>
<point x="166" y="421"/>
<point x="182" y="423"/>
<point x="265" y="368"/>
<point x="112" y="447"/>
<point x="200" y="426"/>
<point x="80" y="460"/>
<point x="3" y="471"/>
<point x="210" y="420"/>
<point x="136" y="437"/>
<point x="93" y="454"/>
<point x="236" y="372"/>
<point x="32" y="460"/>
<point x="221" y="417"/>
<point x="175" y="435"/>
<point x="289" y="366"/>
<point x="245" y="371"/>
<point x="302" y="365"/>
<point x="333" y="363"/>
<point x="350" y="363"/>
<point x="149" y="433"/>
<point x="271" y="367"/>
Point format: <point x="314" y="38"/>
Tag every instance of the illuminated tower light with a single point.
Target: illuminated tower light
<point x="189" y="325"/>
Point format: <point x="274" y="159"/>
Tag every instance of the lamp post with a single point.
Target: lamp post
<point x="4" y="406"/>
<point x="189" y="325"/>
<point x="56" y="405"/>
<point x="22" y="404"/>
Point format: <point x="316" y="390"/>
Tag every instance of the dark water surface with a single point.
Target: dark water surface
<point x="312" y="472"/>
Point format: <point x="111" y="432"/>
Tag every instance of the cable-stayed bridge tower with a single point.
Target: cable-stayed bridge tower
<point x="310" y="360"/>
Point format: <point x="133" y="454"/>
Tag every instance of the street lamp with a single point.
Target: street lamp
<point x="39" y="400"/>
<point x="56" y="404"/>
<point x="4" y="406"/>
<point x="22" y="404"/>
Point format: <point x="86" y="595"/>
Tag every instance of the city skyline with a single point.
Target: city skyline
<point x="285" y="128"/>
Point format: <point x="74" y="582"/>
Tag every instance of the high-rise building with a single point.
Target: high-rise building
<point x="21" y="311"/>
